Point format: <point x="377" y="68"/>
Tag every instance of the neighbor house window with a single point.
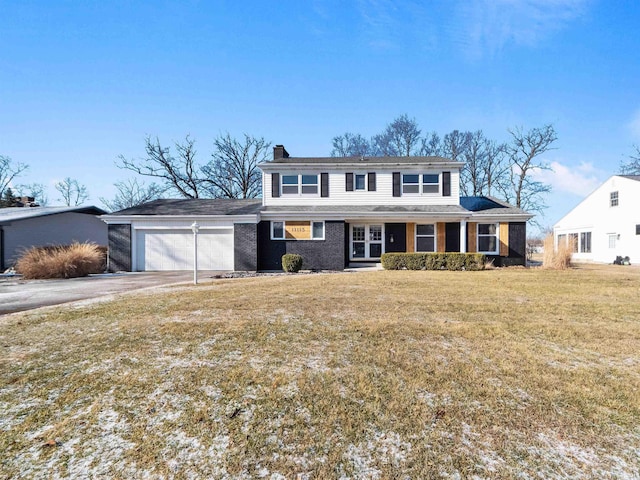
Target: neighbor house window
<point x="425" y="238"/>
<point x="360" y="181"/>
<point x="573" y="242"/>
<point x="585" y="242"/>
<point x="613" y="200"/>
<point x="424" y="183"/>
<point x="299" y="184"/>
<point x="297" y="230"/>
<point x="488" y="238"/>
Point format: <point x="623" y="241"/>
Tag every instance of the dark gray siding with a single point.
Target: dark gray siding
<point x="119" y="237"/>
<point x="327" y="254"/>
<point x="517" y="247"/>
<point x="245" y="247"/>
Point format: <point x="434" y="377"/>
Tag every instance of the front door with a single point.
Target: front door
<point x="366" y="242"/>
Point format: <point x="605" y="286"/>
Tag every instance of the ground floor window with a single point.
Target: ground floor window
<point x="297" y="230"/>
<point x="613" y="237"/>
<point x="367" y="242"/>
<point x="573" y="242"/>
<point x="426" y="238"/>
<point x="488" y="238"/>
<point x="585" y="242"/>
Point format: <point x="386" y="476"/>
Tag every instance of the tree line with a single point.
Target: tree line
<point x="500" y="169"/>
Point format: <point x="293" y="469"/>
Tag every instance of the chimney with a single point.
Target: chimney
<point x="280" y="152"/>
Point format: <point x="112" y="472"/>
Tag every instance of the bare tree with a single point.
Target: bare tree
<point x="401" y="138"/>
<point x="351" y="145"/>
<point x="484" y="166"/>
<point x="35" y="190"/>
<point x="132" y="193"/>
<point x="233" y="170"/>
<point x="9" y="171"/>
<point x="524" y="152"/>
<point x="431" y="145"/>
<point x="633" y="166"/>
<point x="73" y="193"/>
<point x="179" y="173"/>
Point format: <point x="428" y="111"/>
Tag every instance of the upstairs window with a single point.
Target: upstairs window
<point x="613" y="199"/>
<point x="428" y="183"/>
<point x="360" y="181"/>
<point x="300" y="184"/>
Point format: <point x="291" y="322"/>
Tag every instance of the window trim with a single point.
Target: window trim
<point x="435" y="237"/>
<point x="284" y="231"/>
<point x="300" y="185"/>
<point x="421" y="184"/>
<point x="496" y="235"/>
<point x="614" y="199"/>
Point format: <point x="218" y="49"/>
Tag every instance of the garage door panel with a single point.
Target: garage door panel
<point x="173" y="249"/>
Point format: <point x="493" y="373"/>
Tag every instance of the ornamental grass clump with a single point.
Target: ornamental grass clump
<point x="61" y="261"/>
<point x="556" y="258"/>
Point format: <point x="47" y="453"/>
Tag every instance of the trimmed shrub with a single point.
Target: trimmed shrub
<point x="291" y="262"/>
<point x="61" y="261"/>
<point x="433" y="261"/>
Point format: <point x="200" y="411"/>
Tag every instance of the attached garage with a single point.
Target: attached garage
<point x="157" y="236"/>
<point x="172" y="249"/>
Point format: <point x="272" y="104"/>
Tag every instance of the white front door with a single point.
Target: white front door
<point x="367" y="241"/>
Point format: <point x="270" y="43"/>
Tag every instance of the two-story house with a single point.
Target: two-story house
<point x="334" y="212"/>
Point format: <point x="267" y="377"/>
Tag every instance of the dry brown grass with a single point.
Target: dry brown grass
<point x="556" y="257"/>
<point x="61" y="261"/>
<point x="496" y="374"/>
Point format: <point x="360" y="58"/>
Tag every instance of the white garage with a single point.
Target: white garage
<point x="172" y="249"/>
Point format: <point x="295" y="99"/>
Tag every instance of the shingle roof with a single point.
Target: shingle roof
<point x="195" y="206"/>
<point x="363" y="160"/>
<point x="380" y="209"/>
<point x="490" y="205"/>
<point x="12" y="214"/>
<point x="632" y="177"/>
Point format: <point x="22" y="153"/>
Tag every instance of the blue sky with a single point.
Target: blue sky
<point x="84" y="81"/>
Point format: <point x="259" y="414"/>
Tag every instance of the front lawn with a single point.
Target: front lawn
<point x="509" y="373"/>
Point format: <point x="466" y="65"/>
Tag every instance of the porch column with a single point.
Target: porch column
<point x="463" y="236"/>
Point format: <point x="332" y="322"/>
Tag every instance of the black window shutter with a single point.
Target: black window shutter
<point x="446" y="184"/>
<point x="324" y="184"/>
<point x="371" y="181"/>
<point x="349" y="181"/>
<point x="275" y="184"/>
<point x="396" y="184"/>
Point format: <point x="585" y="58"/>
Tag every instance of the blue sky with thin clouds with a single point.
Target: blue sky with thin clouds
<point x="84" y="81"/>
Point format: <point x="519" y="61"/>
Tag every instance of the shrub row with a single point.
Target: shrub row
<point x="433" y="261"/>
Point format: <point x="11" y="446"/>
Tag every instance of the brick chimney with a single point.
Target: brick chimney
<point x="280" y="152"/>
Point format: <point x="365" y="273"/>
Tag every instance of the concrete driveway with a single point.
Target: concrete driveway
<point x="17" y="295"/>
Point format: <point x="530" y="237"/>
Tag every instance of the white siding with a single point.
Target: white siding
<point x="594" y="214"/>
<point x="382" y="196"/>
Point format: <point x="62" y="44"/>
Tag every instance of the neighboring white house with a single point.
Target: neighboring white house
<point x="606" y="224"/>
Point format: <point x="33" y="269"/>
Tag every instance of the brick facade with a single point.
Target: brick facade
<point x="327" y="254"/>
<point x="119" y="237"/>
<point x="245" y="243"/>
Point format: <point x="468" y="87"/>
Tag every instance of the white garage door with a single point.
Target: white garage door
<point x="173" y="249"/>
